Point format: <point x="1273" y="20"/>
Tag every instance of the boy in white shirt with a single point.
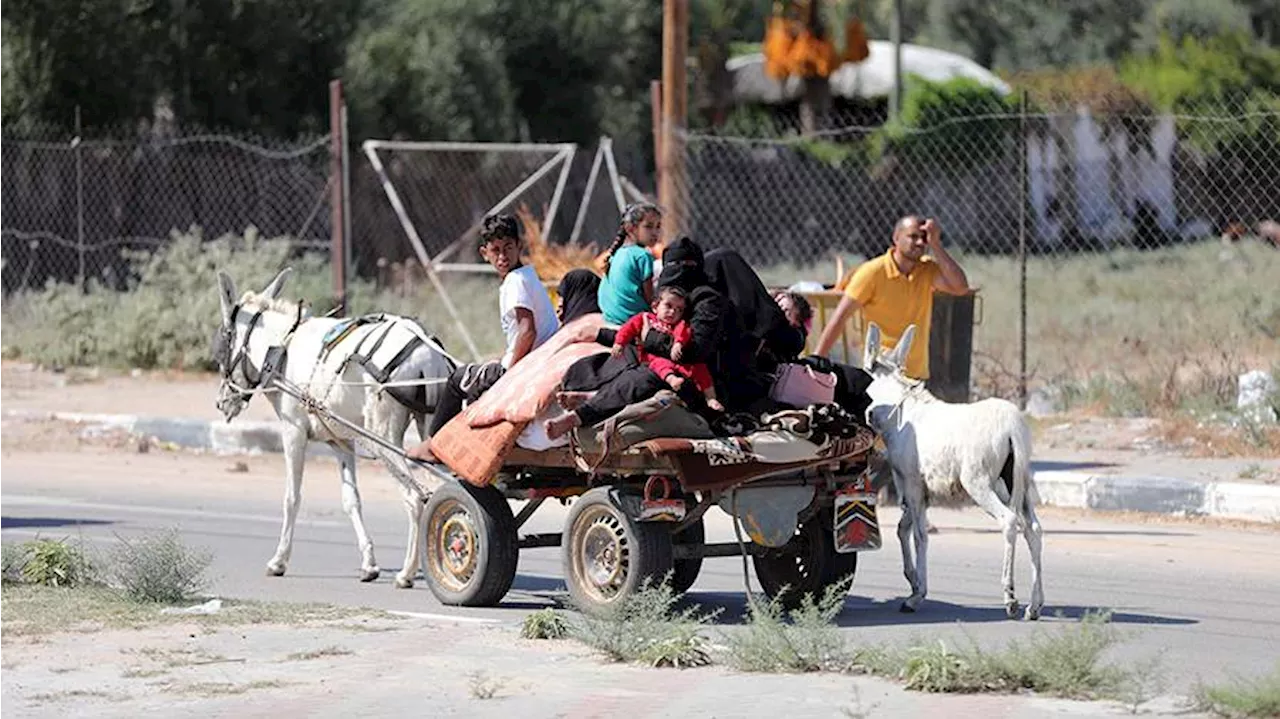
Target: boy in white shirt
<point x="528" y="319"/>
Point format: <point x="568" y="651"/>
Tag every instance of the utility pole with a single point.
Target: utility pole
<point x="895" y="35"/>
<point x="672" y="184"/>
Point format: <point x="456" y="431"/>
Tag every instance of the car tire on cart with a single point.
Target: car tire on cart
<point x="607" y="554"/>
<point x="686" y="570"/>
<point x="808" y="564"/>
<point x="472" y="548"/>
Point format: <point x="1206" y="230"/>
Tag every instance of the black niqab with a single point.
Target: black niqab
<point x="682" y="266"/>
<point x="578" y="292"/>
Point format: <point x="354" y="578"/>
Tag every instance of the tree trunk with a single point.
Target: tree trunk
<point x="815" y="105"/>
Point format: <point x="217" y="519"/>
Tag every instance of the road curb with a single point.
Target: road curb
<point x="1058" y="488"/>
<point x="1159" y="495"/>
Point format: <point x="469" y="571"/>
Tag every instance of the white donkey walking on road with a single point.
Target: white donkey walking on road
<point x="339" y="364"/>
<point x="939" y="452"/>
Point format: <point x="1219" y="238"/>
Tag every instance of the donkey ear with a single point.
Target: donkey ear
<point x="273" y="289"/>
<point x="899" y="355"/>
<point x="226" y="295"/>
<point x="871" y="348"/>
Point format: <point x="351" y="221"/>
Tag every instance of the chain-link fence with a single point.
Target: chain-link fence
<point x="1149" y="238"/>
<point x="73" y="207"/>
<point x="447" y="188"/>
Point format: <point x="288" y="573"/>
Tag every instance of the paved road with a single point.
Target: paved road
<point x="1201" y="598"/>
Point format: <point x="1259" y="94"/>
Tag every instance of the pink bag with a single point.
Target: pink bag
<point x="801" y="385"/>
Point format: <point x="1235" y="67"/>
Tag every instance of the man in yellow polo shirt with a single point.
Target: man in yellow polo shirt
<point x="895" y="290"/>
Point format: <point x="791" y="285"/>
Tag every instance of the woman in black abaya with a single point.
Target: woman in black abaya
<point x="622" y="381"/>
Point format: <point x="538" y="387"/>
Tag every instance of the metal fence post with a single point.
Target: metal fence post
<point x="337" y="249"/>
<point x="76" y="142"/>
<point x="1022" y="249"/>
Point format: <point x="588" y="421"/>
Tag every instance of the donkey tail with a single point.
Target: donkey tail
<point x="1024" y="489"/>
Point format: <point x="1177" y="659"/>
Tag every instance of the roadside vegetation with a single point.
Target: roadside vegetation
<point x="1243" y="697"/>
<point x="659" y="628"/>
<point x="64" y="585"/>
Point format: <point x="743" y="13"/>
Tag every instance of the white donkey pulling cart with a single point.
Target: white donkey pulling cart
<point x="799" y="484"/>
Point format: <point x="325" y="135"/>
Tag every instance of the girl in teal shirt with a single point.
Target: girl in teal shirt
<point x="627" y="287"/>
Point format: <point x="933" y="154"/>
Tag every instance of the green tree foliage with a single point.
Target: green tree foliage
<point x="1228" y="75"/>
<point x="1181" y="19"/>
<point x="245" y="65"/>
<point x="431" y="69"/>
<point x="1024" y="34"/>
<point x="962" y="114"/>
<point x="452" y="69"/>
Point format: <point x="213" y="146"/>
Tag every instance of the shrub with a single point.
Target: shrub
<point x="646" y="627"/>
<point x="545" y="624"/>
<point x="160" y="568"/>
<point x="1242" y="697"/>
<point x="14" y="558"/>
<point x="1066" y="663"/>
<point x="167" y="316"/>
<point x="54" y="563"/>
<point x="805" y="639"/>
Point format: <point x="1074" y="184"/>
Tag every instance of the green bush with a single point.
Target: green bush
<point x="1243" y="697"/>
<point x="955" y="125"/>
<point x="50" y="563"/>
<point x="167" y="317"/>
<point x="545" y="624"/>
<point x="1224" y="76"/>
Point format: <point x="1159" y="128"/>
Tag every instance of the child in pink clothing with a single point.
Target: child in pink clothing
<point x="668" y="317"/>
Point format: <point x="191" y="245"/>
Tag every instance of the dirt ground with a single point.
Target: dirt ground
<point x="427" y="666"/>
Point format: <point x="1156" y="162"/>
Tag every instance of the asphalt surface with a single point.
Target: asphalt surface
<point x="1201" y="598"/>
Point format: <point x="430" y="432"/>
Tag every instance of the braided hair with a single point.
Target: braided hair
<point x="631" y="216"/>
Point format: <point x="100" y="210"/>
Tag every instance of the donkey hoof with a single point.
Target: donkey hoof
<point x="404" y="582"/>
<point x="275" y="570"/>
<point x="1033" y="613"/>
<point x="1011" y="610"/>
<point x="368" y="575"/>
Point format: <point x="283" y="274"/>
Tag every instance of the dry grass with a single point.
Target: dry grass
<point x="46" y="697"/>
<point x="482" y="686"/>
<point x="322" y="653"/>
<point x="178" y="658"/>
<point x="35" y="611"/>
<point x="222" y="689"/>
<point x="1198" y="438"/>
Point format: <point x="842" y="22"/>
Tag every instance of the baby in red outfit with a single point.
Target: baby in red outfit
<point x="668" y="317"/>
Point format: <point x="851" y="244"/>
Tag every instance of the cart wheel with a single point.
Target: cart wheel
<point x="472" y="548"/>
<point x="686" y="570"/>
<point x="808" y="564"/>
<point x="608" y="555"/>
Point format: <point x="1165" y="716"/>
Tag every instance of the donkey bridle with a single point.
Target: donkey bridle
<point x="274" y="357"/>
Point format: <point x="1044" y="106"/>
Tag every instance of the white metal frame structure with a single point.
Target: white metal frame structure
<point x="564" y="153"/>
